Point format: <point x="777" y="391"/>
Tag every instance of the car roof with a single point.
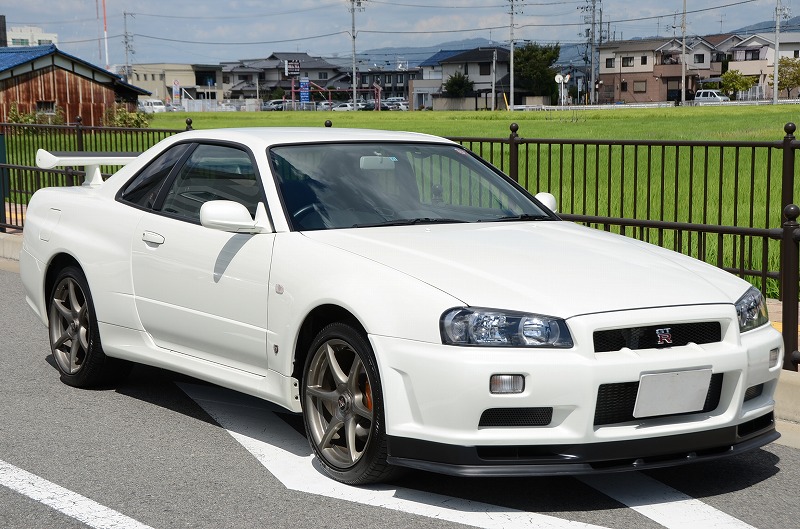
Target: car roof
<point x="283" y="135"/>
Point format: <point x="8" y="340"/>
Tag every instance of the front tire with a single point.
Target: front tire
<point x="343" y="407"/>
<point x="74" y="339"/>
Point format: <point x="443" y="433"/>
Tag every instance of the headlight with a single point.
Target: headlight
<point x="751" y="310"/>
<point x="496" y="328"/>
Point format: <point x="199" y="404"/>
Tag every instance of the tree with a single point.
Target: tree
<point x="788" y="75"/>
<point x="534" y="71"/>
<point x="458" y="85"/>
<point x="733" y="81"/>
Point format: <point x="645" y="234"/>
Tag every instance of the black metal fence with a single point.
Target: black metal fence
<point x="727" y="203"/>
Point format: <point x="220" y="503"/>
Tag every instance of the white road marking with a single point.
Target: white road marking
<point x="74" y="505"/>
<point x="286" y="454"/>
<point x="661" y="503"/>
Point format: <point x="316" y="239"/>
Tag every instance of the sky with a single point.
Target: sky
<point x="214" y="31"/>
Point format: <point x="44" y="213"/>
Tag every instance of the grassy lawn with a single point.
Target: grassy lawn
<point x="689" y="123"/>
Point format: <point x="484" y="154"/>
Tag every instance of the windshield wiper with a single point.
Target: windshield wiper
<point x="523" y="216"/>
<point x="408" y="222"/>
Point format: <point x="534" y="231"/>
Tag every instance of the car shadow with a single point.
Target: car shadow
<point x="544" y="494"/>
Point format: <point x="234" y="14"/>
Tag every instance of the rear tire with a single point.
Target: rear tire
<point x="74" y="338"/>
<point x="343" y="407"/>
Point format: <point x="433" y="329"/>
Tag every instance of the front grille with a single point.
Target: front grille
<point x="516" y="417"/>
<point x="657" y="336"/>
<point x="615" y="402"/>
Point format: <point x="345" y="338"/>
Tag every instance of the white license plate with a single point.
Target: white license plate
<point x="669" y="393"/>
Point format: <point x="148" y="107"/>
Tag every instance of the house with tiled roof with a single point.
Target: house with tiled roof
<point x="648" y="70"/>
<point x="45" y="80"/>
<point x="487" y="67"/>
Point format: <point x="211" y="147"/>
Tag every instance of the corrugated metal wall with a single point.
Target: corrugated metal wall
<point x="74" y="94"/>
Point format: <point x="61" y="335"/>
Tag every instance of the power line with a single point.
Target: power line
<point x="242" y="43"/>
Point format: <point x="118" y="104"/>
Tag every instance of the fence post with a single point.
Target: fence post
<point x="787" y="173"/>
<point x="79" y="133"/>
<point x="790" y="270"/>
<point x="513" y="153"/>
<point x="5" y="181"/>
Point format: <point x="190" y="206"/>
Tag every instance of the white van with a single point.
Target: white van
<point x="710" y="96"/>
<point x="152" y="106"/>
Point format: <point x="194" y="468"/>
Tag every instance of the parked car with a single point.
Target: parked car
<point x="151" y="106"/>
<point x="418" y="307"/>
<point x="710" y="96"/>
<point x="325" y="105"/>
<point x="372" y="106"/>
<point x="343" y="107"/>
<point x="273" y="104"/>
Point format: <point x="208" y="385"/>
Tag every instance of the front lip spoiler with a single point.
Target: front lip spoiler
<point x="584" y="464"/>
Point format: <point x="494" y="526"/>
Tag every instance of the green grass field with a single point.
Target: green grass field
<point x="689" y="123"/>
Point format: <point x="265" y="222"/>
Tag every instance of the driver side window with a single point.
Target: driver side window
<point x="212" y="172"/>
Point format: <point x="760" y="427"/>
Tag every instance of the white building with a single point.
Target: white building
<point x="30" y="36"/>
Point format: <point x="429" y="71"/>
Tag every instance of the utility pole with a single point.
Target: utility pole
<point x="594" y="52"/>
<point x="127" y="40"/>
<point x="683" y="55"/>
<point x="591" y="19"/>
<point x="779" y="12"/>
<point x="513" y="45"/>
<point x="355" y="5"/>
<point x="494" y="74"/>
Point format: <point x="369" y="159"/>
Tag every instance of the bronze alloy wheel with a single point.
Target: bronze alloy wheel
<point x="74" y="338"/>
<point x="343" y="407"/>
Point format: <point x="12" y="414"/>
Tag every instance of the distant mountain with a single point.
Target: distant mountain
<point x="572" y="54"/>
<point x="793" y="24"/>
<point x="391" y="57"/>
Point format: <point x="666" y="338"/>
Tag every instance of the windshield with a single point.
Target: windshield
<point x="330" y="186"/>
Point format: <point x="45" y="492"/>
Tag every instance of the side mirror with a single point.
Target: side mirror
<point x="548" y="200"/>
<point x="226" y="215"/>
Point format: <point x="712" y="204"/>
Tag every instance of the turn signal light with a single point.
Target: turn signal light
<point x="503" y="384"/>
<point x="774" y="354"/>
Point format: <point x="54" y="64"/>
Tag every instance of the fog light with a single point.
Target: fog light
<point x="507" y="384"/>
<point x="774" y="354"/>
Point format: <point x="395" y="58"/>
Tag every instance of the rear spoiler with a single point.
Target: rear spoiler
<point x="90" y="160"/>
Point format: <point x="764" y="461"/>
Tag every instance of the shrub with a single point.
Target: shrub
<point x="35" y="118"/>
<point x="119" y="116"/>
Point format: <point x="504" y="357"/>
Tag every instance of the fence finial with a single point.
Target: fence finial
<point x="189" y="124"/>
<point x="789" y="129"/>
<point x="328" y="123"/>
<point x="514" y="128"/>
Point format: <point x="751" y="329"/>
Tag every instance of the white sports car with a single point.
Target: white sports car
<point x="417" y="307"/>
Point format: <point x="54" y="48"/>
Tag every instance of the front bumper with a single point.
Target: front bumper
<point x="617" y="456"/>
<point x="436" y="397"/>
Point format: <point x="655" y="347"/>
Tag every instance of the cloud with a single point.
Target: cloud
<point x="211" y="31"/>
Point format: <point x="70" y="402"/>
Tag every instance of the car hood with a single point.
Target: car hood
<point x="551" y="267"/>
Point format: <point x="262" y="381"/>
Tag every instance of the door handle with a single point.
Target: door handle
<point x="151" y="237"/>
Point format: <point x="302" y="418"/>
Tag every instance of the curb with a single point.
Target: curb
<point x="787" y="396"/>
<point x="10" y="245"/>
